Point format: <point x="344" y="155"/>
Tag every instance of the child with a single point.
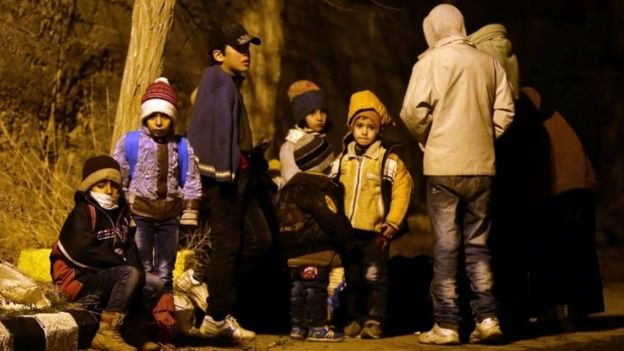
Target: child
<point x="309" y="109"/>
<point x="221" y="134"/>
<point x="312" y="224"/>
<point x="95" y="258"/>
<point x="161" y="181"/>
<point x="377" y="194"/>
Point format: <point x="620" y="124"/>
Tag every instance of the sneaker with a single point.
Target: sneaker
<point x="353" y="330"/>
<point x="324" y="334"/>
<point x="439" y="336"/>
<point x="239" y="333"/>
<point x="372" y="330"/>
<point x="298" y="333"/>
<point x="211" y="328"/>
<point x="487" y="331"/>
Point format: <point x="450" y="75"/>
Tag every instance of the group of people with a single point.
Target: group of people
<point x="117" y="248"/>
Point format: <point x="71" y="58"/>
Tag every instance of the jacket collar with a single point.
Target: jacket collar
<point x="373" y="152"/>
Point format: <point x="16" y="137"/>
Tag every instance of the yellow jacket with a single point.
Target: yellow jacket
<point x="362" y="179"/>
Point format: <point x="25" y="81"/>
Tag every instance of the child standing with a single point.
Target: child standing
<point x="162" y="184"/>
<point x="377" y="194"/>
<point x="310" y="110"/>
<point x="312" y="224"/>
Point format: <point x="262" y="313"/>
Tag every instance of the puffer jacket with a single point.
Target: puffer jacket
<point x="91" y="239"/>
<point x="312" y="221"/>
<point x="373" y="195"/>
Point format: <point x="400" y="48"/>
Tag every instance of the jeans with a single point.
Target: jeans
<point x="308" y="298"/>
<point x="114" y="289"/>
<point x="157" y="243"/>
<point x="459" y="207"/>
<point x="238" y="234"/>
<point x="366" y="274"/>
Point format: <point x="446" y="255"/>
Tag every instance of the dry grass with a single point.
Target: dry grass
<point x="39" y="172"/>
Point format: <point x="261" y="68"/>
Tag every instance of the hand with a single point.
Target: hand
<point x="309" y="273"/>
<point x="382" y="243"/>
<point x="388" y="231"/>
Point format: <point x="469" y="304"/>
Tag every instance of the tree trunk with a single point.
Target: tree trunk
<point x="151" y="23"/>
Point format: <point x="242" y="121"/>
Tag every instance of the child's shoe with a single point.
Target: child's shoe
<point x="372" y="330"/>
<point x="353" y="330"/>
<point x="439" y="336"/>
<point x="298" y="333"/>
<point x="487" y="331"/>
<point x="324" y="334"/>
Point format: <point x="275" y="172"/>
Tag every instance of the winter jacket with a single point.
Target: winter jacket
<point x="287" y="151"/>
<point x="365" y="183"/>
<point x="312" y="221"/>
<point x="457" y="103"/>
<point x="91" y="239"/>
<point x="215" y="129"/>
<point x="150" y="194"/>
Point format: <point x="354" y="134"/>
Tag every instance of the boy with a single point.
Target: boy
<point x="94" y="260"/>
<point x="312" y="224"/>
<point x="310" y="111"/>
<point x="457" y="103"/>
<point x="377" y="195"/>
<point x="161" y="182"/>
<point x="220" y="132"/>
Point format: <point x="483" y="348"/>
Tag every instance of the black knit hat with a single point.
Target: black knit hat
<point x="97" y="169"/>
<point x="313" y="152"/>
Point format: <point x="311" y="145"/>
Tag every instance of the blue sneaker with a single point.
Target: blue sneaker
<point x="298" y="333"/>
<point x="324" y="334"/>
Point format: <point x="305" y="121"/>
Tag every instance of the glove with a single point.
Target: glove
<point x="164" y="311"/>
<point x="309" y="273"/>
<point x="189" y="218"/>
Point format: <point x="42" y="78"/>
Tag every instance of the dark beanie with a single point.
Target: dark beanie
<point x="97" y="169"/>
<point x="313" y="152"/>
<point x="305" y="97"/>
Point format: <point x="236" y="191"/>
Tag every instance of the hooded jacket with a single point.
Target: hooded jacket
<point x="458" y="100"/>
<point x="91" y="239"/>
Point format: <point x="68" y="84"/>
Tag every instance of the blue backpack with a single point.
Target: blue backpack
<point x="132" y="154"/>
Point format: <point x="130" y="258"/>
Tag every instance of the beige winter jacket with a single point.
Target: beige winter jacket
<point x="458" y="101"/>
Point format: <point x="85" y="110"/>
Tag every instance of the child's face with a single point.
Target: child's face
<point x="234" y="60"/>
<point x="158" y="124"/>
<point x="316" y="120"/>
<point x="364" y="131"/>
<point x="106" y="187"/>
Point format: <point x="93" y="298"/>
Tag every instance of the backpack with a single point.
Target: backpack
<point x="132" y="154"/>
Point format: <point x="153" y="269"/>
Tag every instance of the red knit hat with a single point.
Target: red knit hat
<point x="159" y="97"/>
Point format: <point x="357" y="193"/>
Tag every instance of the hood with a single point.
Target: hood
<point x="443" y="21"/>
<point x="367" y="100"/>
<point x="493" y="40"/>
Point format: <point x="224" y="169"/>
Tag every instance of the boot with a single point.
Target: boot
<point x="108" y="336"/>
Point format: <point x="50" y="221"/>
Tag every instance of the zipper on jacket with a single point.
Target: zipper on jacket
<point x="115" y="224"/>
<point x="357" y="188"/>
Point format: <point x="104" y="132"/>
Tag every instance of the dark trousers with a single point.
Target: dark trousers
<point x="308" y="298"/>
<point x="116" y="288"/>
<point x="366" y="274"/>
<point x="238" y="233"/>
<point x="459" y="207"/>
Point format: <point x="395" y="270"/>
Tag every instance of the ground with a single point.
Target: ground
<point x="604" y="331"/>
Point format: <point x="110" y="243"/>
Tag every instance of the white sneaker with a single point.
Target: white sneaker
<point x="238" y="332"/>
<point x="211" y="328"/>
<point x="487" y="331"/>
<point x="439" y="336"/>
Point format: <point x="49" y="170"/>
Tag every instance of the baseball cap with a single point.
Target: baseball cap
<point x="233" y="34"/>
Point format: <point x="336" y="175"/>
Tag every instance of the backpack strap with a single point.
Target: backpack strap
<point x="182" y="160"/>
<point x="131" y="146"/>
<point x="92" y="216"/>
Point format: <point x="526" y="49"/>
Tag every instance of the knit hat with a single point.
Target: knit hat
<point x="97" y="169"/>
<point x="363" y="103"/>
<point x="305" y="97"/>
<point x="313" y="153"/>
<point x="159" y="97"/>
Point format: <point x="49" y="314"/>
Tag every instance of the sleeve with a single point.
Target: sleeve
<point x="120" y="156"/>
<point x="401" y="192"/>
<point x="192" y="187"/>
<point x="287" y="160"/>
<point x="503" y="103"/>
<point x="325" y="210"/>
<point x="418" y="103"/>
<point x="78" y="243"/>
